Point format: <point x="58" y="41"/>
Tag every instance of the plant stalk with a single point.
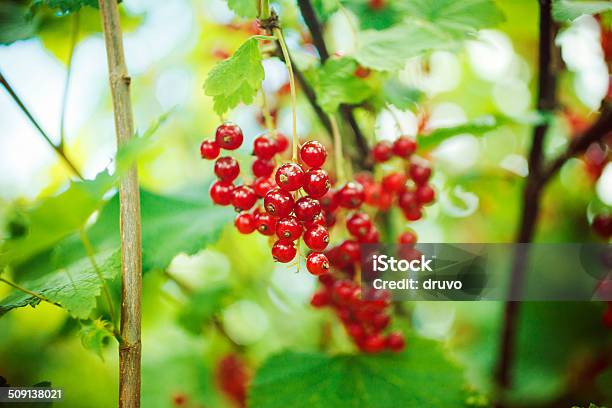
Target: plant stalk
<point x="130" y="223"/>
<point x="532" y="193"/>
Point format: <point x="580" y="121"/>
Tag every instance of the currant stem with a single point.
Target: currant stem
<point x="265" y="109"/>
<point x="281" y="40"/>
<point x="396" y="118"/>
<point x="338" y="156"/>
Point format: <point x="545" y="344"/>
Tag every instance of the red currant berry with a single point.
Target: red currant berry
<point x="359" y="224"/>
<point x="283" y="251"/>
<point x="602" y="225"/>
<point x="243" y="198"/>
<point x="316" y="237"/>
<point x="382" y="151"/>
<point x="362" y="72"/>
<point x="395" y="341"/>
<point x="425" y="194"/>
<point x="262" y="185"/>
<point x="306" y="209"/>
<point x="380" y="321"/>
<point x="319" y="299"/>
<point x="317" y="263"/>
<point x="419" y="174"/>
<point x="245" y="223"/>
<point x="343" y="290"/>
<point x="412" y="213"/>
<point x="221" y="192"/>
<point x="290" y="176"/>
<point x="227" y="169"/>
<point x="330" y="219"/>
<point x="349" y="252"/>
<point x="376" y="4"/>
<point x="374" y="343"/>
<point x="209" y="149"/>
<point x="316" y="183"/>
<point x="313" y="154"/>
<point x="393" y="182"/>
<point x="408" y="237"/>
<point x="351" y="195"/>
<point x="288" y="228"/>
<point x="407" y="200"/>
<point x="263" y="167"/>
<point x="265" y="223"/>
<point x="278" y="203"/>
<point x="356" y="331"/>
<point x="404" y="146"/>
<point x="282" y="143"/>
<point x="329" y="201"/>
<point x="372" y="237"/>
<point x="229" y="136"/>
<point x="264" y="147"/>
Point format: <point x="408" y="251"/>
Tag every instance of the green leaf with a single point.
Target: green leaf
<point x="170" y="226"/>
<point x="455" y="18"/>
<point x="569" y="10"/>
<point x="16" y="22"/>
<point x="337" y="84"/>
<point x="56" y="217"/>
<point x="325" y="8"/>
<point x="236" y="79"/>
<point x="430" y="25"/>
<point x="202" y="306"/>
<point x="292" y="379"/>
<point x="475" y="127"/>
<point x="401" y="95"/>
<point x="74" y="286"/>
<point x="388" y="50"/>
<point x="243" y="8"/>
<point x="375" y="18"/>
<point x="95" y="334"/>
<point x="64" y="274"/>
<point x="66" y="6"/>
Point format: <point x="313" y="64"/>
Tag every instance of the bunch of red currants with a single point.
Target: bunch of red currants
<point x="299" y="203"/>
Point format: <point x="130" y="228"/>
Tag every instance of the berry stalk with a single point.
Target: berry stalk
<point x="281" y="40"/>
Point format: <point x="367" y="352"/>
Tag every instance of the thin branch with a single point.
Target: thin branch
<point x="29" y="292"/>
<point x="312" y="22"/>
<point x="600" y="129"/>
<point x="58" y="149"/>
<point x="73" y="42"/>
<point x="531" y="197"/>
<point x="130" y="223"/>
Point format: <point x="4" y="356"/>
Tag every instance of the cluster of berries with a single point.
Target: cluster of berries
<point x="363" y="317"/>
<point x="291" y="207"/>
<point x="298" y="202"/>
<point x="394" y="188"/>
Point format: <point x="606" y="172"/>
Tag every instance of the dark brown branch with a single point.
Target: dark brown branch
<point x="600" y="129"/>
<point x="129" y="200"/>
<point x="531" y="196"/>
<point x="58" y="149"/>
<point x="312" y="22"/>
